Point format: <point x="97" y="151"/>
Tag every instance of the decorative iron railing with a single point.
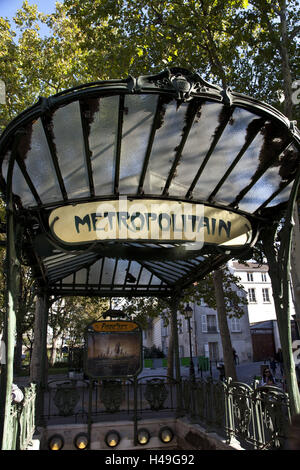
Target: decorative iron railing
<point x="75" y="400"/>
<point x="22" y="420"/>
<point x="258" y="417"/>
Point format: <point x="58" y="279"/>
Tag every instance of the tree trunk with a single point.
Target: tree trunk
<point x="39" y="360"/>
<point x="53" y="350"/>
<point x="285" y="61"/>
<point x="223" y="325"/>
<point x="170" y="368"/>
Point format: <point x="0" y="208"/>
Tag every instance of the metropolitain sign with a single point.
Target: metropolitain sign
<point x="149" y="220"/>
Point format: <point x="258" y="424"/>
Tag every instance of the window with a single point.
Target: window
<point x="250" y="277"/>
<point x="204" y="323"/>
<point x="211" y="323"/>
<point x="164" y="331"/>
<point x="235" y="325"/>
<point x="266" y="296"/>
<point x="264" y="277"/>
<point x="251" y="294"/>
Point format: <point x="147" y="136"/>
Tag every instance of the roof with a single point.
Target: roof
<point x="250" y="266"/>
<point x="262" y="325"/>
<point x="170" y="138"/>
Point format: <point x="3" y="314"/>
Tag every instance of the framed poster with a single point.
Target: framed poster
<point x="113" y="349"/>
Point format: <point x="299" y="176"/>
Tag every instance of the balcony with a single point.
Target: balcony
<point x="212" y="329"/>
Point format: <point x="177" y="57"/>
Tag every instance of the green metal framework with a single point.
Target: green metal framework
<point x="170" y="136"/>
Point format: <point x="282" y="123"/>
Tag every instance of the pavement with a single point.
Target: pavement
<point x="246" y="372"/>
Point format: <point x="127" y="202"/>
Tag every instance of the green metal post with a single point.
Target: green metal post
<point x="39" y="360"/>
<point x="90" y="422"/>
<point x="174" y="308"/>
<point x="12" y="270"/>
<point x="279" y="270"/>
<point x="135" y="416"/>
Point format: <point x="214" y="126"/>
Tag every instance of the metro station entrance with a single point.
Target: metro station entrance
<point x="141" y="187"/>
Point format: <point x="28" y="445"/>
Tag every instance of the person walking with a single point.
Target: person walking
<point x="273" y="366"/>
<point x="235" y="356"/>
<point x="267" y="378"/>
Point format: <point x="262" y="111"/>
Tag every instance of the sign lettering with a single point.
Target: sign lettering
<point x="144" y="220"/>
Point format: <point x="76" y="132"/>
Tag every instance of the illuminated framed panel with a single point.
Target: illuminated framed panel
<point x="113" y="349"/>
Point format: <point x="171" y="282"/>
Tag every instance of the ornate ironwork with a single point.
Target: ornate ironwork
<point x="241" y="403"/>
<point x="21" y="425"/>
<point x="27" y="417"/>
<point x="274" y="415"/>
<point x="156" y="393"/>
<point x="66" y="398"/>
<point x="112" y="395"/>
<point x="258" y="417"/>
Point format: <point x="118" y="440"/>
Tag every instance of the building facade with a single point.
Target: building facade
<point x="205" y="334"/>
<point x="257" y="284"/>
<point x="254" y="336"/>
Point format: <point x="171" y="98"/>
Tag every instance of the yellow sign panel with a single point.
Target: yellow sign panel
<point x="113" y="349"/>
<point x="149" y="220"/>
<point x="114" y="325"/>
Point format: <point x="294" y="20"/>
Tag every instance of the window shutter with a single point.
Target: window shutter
<point x="204" y="324"/>
<point x="206" y="350"/>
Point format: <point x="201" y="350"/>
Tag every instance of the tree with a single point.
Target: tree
<point x="69" y="316"/>
<point x="223" y="325"/>
<point x="25" y="312"/>
<point x="59" y="62"/>
<point x="219" y="290"/>
<point x="250" y="46"/>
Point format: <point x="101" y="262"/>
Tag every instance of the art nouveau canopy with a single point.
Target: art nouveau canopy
<point x="142" y="186"/>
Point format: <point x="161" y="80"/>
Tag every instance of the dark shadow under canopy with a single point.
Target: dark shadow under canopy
<point x="150" y="141"/>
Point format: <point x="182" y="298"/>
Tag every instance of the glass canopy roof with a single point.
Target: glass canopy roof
<point x="170" y="137"/>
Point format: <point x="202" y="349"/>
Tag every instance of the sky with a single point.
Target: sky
<point x="8" y="8"/>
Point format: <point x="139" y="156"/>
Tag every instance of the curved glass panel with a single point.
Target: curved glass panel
<point x="68" y="139"/>
<point x="283" y="196"/>
<point x="196" y="148"/>
<point x="21" y="188"/>
<point x="39" y="166"/>
<point x="102" y="142"/>
<point x="225" y="152"/>
<point x="167" y="139"/>
<point x="271" y="181"/>
<point x="81" y="277"/>
<point x="139" y="111"/>
<point x="241" y="175"/>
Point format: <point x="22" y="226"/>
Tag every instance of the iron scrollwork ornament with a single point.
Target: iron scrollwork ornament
<point x="156" y="393"/>
<point x="241" y="400"/>
<point x="66" y="398"/>
<point x="112" y="395"/>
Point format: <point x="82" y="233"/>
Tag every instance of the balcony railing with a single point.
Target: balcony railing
<point x="212" y="329"/>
